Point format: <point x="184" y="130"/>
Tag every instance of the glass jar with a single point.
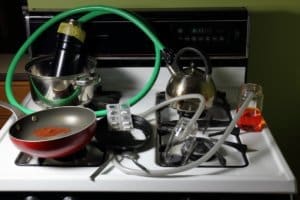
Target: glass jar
<point x="251" y="119"/>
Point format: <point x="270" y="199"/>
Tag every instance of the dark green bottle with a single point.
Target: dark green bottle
<point x="70" y="56"/>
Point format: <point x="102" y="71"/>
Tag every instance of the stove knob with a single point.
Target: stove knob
<point x="70" y="198"/>
<point x="31" y="198"/>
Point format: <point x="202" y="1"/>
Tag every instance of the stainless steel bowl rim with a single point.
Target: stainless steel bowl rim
<point x="91" y="70"/>
<point x="69" y="77"/>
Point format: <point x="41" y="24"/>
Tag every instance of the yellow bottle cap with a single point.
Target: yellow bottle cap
<point x="72" y="29"/>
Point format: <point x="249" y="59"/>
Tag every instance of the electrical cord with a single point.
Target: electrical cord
<point x="158" y="173"/>
<point x="93" y="11"/>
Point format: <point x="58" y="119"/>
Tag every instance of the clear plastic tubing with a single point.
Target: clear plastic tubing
<point x="211" y="152"/>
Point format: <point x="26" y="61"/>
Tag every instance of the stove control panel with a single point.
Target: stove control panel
<point x="221" y="33"/>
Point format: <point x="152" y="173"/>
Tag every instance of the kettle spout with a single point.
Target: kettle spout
<point x="173" y="71"/>
<point x="168" y="56"/>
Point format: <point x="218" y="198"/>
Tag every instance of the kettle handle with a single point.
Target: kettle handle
<point x="208" y="67"/>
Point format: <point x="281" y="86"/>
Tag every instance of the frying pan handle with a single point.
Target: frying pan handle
<point x="17" y="113"/>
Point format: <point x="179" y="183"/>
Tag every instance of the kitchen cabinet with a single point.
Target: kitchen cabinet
<point x="20" y="89"/>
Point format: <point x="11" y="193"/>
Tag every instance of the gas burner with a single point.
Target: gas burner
<point x="202" y="147"/>
<point x="89" y="156"/>
<point x="80" y="155"/>
<point x="212" y="124"/>
<point x="217" y="116"/>
<point x="232" y="154"/>
<point x="219" y="110"/>
<point x="101" y="98"/>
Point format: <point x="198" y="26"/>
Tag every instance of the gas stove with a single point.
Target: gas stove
<point x="263" y="170"/>
<point x="248" y="166"/>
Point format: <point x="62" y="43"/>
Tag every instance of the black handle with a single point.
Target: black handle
<point x="208" y="67"/>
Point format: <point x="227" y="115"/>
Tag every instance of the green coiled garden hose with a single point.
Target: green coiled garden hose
<point x="92" y="12"/>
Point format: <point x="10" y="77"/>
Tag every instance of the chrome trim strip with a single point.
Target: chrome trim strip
<point x="152" y="58"/>
<point x="27" y="27"/>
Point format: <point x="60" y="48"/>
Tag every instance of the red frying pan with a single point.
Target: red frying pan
<point x="52" y="133"/>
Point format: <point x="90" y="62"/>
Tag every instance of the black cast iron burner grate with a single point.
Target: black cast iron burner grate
<point x="212" y="124"/>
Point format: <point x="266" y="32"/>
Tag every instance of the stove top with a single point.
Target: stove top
<point x="257" y="165"/>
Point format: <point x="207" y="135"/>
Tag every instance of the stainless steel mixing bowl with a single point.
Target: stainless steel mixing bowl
<point x="50" y="91"/>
